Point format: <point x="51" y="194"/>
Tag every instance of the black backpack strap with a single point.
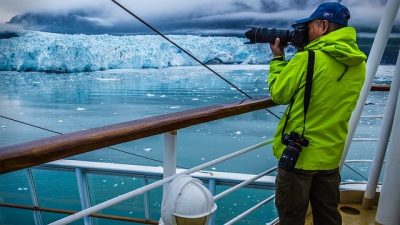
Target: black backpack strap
<point x="308" y="87"/>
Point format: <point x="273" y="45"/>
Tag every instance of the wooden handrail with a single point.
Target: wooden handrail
<point x="70" y="212"/>
<point x="376" y="87"/>
<point x="44" y="150"/>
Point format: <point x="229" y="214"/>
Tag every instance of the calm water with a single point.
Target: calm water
<point x="71" y="102"/>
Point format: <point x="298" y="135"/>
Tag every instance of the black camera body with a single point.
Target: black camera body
<point x="291" y="153"/>
<point x="298" y="37"/>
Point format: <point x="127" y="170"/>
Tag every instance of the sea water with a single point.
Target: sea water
<point x="67" y="102"/>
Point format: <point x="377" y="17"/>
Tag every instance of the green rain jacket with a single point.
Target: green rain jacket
<point x="339" y="74"/>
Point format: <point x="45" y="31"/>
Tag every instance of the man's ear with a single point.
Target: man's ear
<point x="325" y="26"/>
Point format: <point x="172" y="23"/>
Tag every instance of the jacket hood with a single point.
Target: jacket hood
<point x="341" y="45"/>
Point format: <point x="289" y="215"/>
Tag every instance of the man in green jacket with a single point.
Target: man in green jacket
<point x="339" y="73"/>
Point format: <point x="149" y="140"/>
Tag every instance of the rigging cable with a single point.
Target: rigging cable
<point x="355" y="171"/>
<point x="188" y="53"/>
<point x="56" y="132"/>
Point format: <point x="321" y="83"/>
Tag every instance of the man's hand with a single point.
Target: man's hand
<point x="276" y="48"/>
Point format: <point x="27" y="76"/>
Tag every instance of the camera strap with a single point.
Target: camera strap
<point x="308" y="87"/>
<point x="307" y="91"/>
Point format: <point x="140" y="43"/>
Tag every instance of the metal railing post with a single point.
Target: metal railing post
<point x="169" y="156"/>
<point x="389" y="200"/>
<point x="83" y="193"/>
<point x="37" y="215"/>
<point x="146" y="199"/>
<point x="383" y="141"/>
<point x="375" y="56"/>
<point x="169" y="166"/>
<point x="212" y="186"/>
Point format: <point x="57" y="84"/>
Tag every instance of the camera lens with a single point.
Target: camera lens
<point x="268" y="35"/>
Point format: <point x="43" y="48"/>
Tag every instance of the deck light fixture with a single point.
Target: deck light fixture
<point x="187" y="202"/>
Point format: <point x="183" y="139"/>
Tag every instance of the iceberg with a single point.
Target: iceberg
<point x="51" y="52"/>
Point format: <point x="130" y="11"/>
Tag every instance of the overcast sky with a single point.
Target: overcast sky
<point x="363" y="11"/>
<point x="10" y="8"/>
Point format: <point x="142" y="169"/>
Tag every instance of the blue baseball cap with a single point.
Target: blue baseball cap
<point x="334" y="12"/>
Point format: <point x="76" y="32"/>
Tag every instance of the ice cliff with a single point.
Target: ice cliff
<point x="39" y="51"/>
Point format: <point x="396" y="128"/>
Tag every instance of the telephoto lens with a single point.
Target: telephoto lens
<point x="298" y="37"/>
<point x="267" y="35"/>
<point x="290" y="156"/>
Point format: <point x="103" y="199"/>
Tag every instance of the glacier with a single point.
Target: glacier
<point x="51" y="52"/>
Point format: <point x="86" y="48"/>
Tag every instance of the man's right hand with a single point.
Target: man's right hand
<point x="276" y="48"/>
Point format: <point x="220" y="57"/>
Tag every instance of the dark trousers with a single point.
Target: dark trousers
<point x="294" y="190"/>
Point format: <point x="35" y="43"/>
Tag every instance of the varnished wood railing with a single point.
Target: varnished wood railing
<point x="70" y="212"/>
<point x="380" y="88"/>
<point x="44" y="150"/>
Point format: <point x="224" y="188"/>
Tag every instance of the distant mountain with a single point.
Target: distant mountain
<point x="72" y="22"/>
<point x="221" y="19"/>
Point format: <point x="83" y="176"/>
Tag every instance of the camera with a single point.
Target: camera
<point x="294" y="143"/>
<point x="298" y="37"/>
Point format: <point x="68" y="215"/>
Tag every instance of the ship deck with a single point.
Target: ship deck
<point x="351" y="210"/>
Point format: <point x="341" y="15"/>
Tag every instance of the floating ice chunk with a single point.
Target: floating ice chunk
<point x="80" y="109"/>
<point x="107" y="79"/>
<point x="163" y="96"/>
<point x="174" y="107"/>
<point x="60" y="121"/>
<point x="149" y="95"/>
<point x="195" y="99"/>
<point x="21" y="113"/>
<point x="3" y="126"/>
<point x="238" y="133"/>
<point x="147" y="149"/>
<point x="213" y="168"/>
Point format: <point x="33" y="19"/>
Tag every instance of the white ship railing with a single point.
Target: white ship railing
<point x="88" y="211"/>
<point x="82" y="168"/>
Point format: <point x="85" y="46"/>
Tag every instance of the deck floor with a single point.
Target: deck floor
<point x="349" y="217"/>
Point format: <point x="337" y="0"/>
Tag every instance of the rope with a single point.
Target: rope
<point x="355" y="171"/>
<point x="185" y="51"/>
